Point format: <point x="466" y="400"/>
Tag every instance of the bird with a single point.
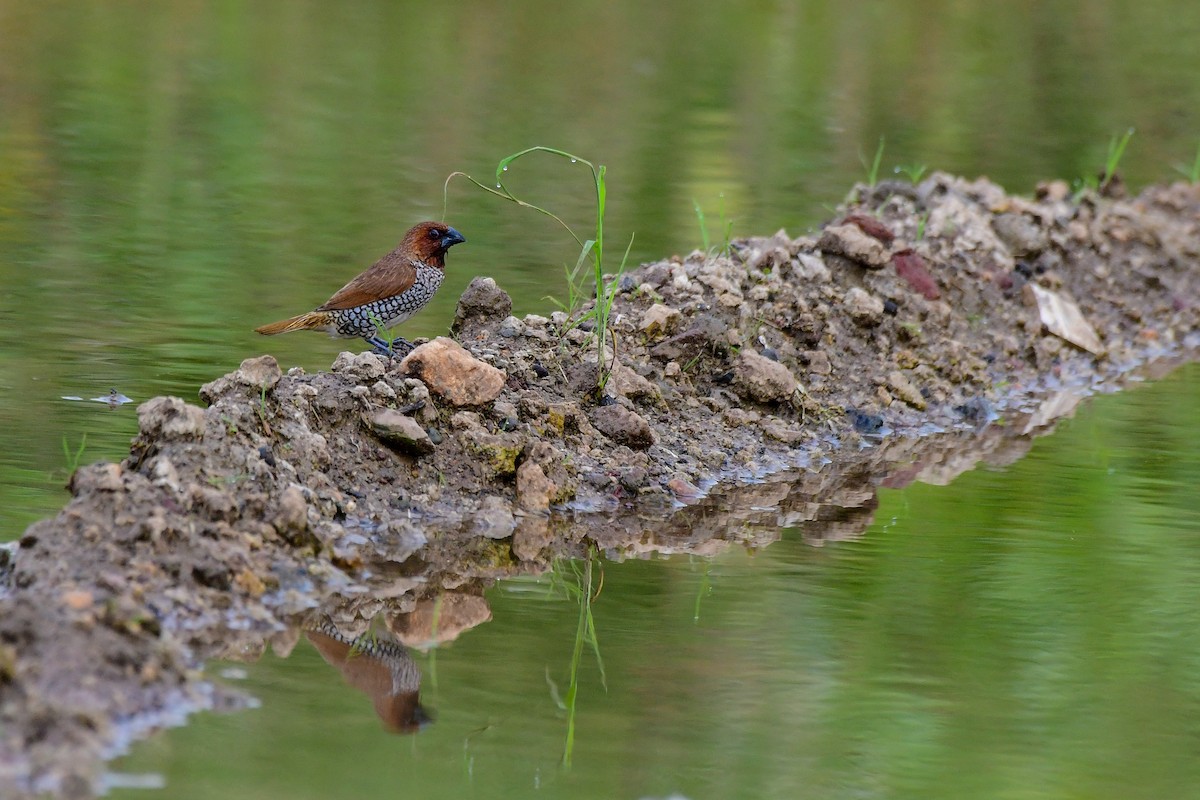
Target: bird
<point x="385" y="294"/>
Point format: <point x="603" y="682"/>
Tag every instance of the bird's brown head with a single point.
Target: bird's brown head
<point x="429" y="241"/>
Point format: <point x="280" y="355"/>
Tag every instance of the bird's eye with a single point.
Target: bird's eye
<point x="434" y="233"/>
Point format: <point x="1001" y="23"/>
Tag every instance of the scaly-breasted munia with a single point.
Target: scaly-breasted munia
<point x="387" y="293"/>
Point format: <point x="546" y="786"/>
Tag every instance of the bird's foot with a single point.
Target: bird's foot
<point x="397" y="348"/>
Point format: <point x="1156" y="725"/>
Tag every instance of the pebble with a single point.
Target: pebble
<point x="623" y="426"/>
<point x="761" y="379"/>
<point x="863" y="307"/>
<point x="400" y="431"/>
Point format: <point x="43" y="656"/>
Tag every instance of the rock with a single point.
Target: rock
<point x="97" y="477"/>
<point x="850" y="242"/>
<point x="776" y="429"/>
<point x="440" y="619"/>
<point x="684" y="490"/>
<point x="1020" y="234"/>
<point x="259" y="372"/>
<point x="291" y="512"/>
<point x="362" y="367"/>
<point x="1053" y="191"/>
<point x="817" y="361"/>
<point x="623" y="426"/>
<point x="482" y="304"/>
<point x="659" y="320"/>
<point x="511" y="327"/>
<point x="255" y="373"/>
<point x="705" y="333"/>
<point x="625" y="382"/>
<point x="532" y="535"/>
<point x="170" y="418"/>
<point x="494" y="519"/>
<point x="905" y="389"/>
<point x="863" y="307"/>
<point x="633" y="478"/>
<point x="912" y="268"/>
<point x="454" y="374"/>
<point x="498" y="452"/>
<point x="400" y="431"/>
<point x="872" y="227"/>
<point x="535" y="491"/>
<point x="1062" y="318"/>
<point x="809" y="267"/>
<point x="761" y="379"/>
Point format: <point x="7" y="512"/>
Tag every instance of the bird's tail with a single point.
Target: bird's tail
<point x="313" y="320"/>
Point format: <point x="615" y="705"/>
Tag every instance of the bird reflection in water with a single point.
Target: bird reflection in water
<point x="381" y="669"/>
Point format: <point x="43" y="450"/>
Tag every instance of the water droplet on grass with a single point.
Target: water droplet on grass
<point x="506" y="167"/>
<point x="574" y="160"/>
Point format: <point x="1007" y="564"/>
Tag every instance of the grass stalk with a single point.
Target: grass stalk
<point x="1192" y="172"/>
<point x="873" y="168"/>
<point x="604" y="294"/>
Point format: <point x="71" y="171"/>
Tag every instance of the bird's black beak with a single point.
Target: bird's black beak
<point x="452" y="238"/>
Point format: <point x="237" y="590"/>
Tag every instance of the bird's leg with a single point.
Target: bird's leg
<point x="402" y="347"/>
<point x="379" y="345"/>
<point x="399" y="348"/>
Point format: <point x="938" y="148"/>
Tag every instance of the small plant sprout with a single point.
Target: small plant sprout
<point x="593" y="248"/>
<point x="873" y="167"/>
<point x="703" y="225"/>
<point x="726" y="227"/>
<point x="73" y="457"/>
<point x="921" y="225"/>
<point x="914" y="172"/>
<point x="1192" y="173"/>
<point x="1116" y="151"/>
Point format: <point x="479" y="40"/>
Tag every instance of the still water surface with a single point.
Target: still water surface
<point x="1030" y="632"/>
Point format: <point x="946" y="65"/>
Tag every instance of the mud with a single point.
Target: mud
<point x="776" y="386"/>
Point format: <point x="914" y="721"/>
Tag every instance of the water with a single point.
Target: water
<point x="172" y="175"/>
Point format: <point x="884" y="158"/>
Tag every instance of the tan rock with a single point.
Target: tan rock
<point x="660" y="320"/>
<point x="625" y="382"/>
<point x="454" y="374"/>
<point x="259" y="372"/>
<point x="850" y="242"/>
<point x="902" y="387"/>
<point x="761" y="379"/>
<point x="534" y="490"/>
<point x="170" y="417"/>
<point x="440" y="619"/>
<point x="400" y="431"/>
<point x="864" y="307"/>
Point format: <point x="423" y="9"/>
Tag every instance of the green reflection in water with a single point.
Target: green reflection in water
<point x="1030" y="632"/>
<point x="174" y="174"/>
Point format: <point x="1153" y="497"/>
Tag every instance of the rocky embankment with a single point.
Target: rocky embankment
<point x="778" y="385"/>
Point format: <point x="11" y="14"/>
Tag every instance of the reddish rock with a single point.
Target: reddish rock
<point x="871" y="227"/>
<point x="910" y="266"/>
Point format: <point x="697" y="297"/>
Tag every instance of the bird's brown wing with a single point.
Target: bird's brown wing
<point x="388" y="276"/>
